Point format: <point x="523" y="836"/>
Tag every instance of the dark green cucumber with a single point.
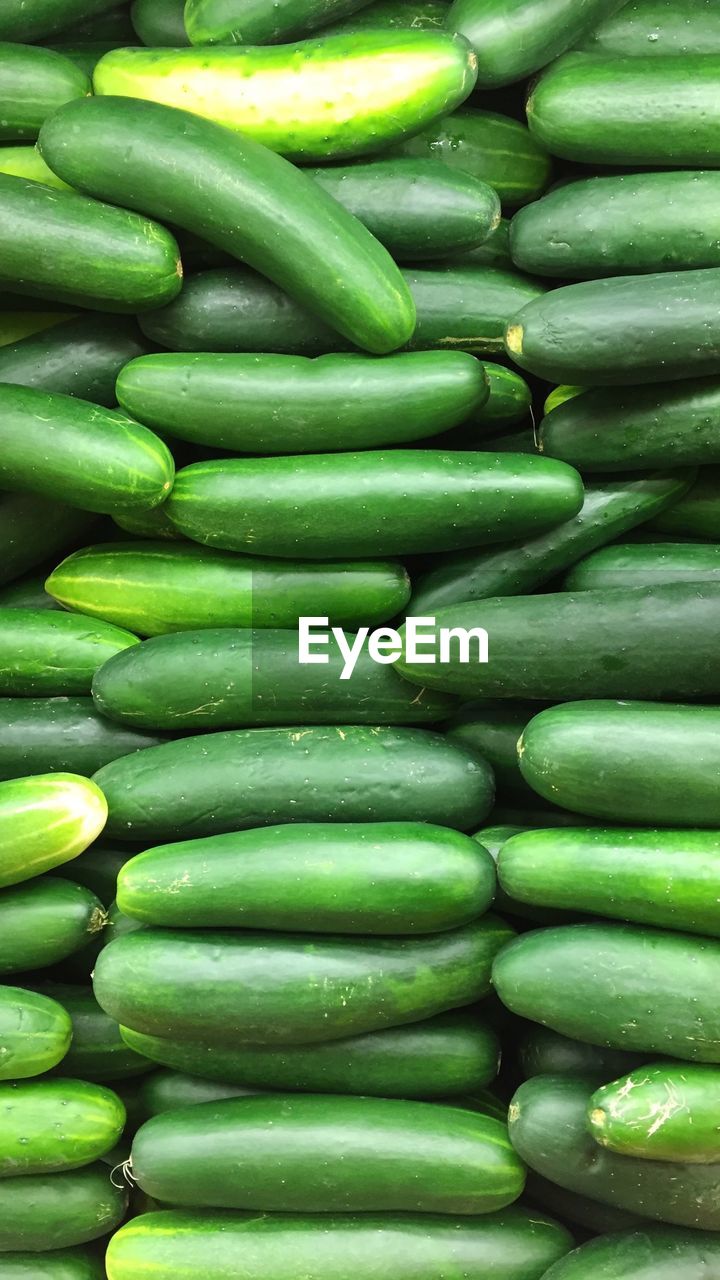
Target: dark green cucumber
<point x="452" y="1053"/>
<point x="46" y="820"/>
<point x="231" y="190"/>
<point x="55" y="1264"/>
<point x="572" y="1208"/>
<point x="610" y="508"/>
<point x="34" y="82"/>
<point x="99" y="460"/>
<point x="160" y="23"/>
<point x="246" y="988"/>
<point x="367" y="878"/>
<point x="697" y="514"/>
<point x="653" y="1253"/>
<point x="158" y="587"/>
<point x="616" y="226"/>
<point x="46" y="1211"/>
<point x="372" y="503"/>
<point x="492" y="729"/>
<point x="658" y="763"/>
<point x="327" y="1154"/>
<point x="147" y="524"/>
<point x="665" y="878"/>
<point x="623" y="986"/>
<point x="409" y="15"/>
<point x="548" y="1127"/>
<point x="85" y="56"/>
<point x="508" y="402"/>
<point x="645" y="28"/>
<point x="52" y="1125"/>
<point x="81" y="357"/>
<point x="308" y="101"/>
<point x="39" y="19"/>
<point x="167" y="1090"/>
<point x="45" y="920"/>
<point x="98" y="1052"/>
<point x="46" y="652"/>
<point x="493" y="252"/>
<point x="493" y="838"/>
<point x="512" y="1245"/>
<point x="466" y="306"/>
<point x="625" y="329"/>
<point x="338" y="401"/>
<point x="211" y="22"/>
<point x="666" y="1111"/>
<point x="33" y="528"/>
<point x="547" y="1053"/>
<point x="643" y="564"/>
<point x="513" y="41"/>
<point x="112" y="22"/>
<point x="35" y="1033"/>
<point x="97" y="869"/>
<point x="489" y="146"/>
<point x="61" y="735"/>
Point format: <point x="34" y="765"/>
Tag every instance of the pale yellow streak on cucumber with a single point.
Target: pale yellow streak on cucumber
<point x="514" y="339"/>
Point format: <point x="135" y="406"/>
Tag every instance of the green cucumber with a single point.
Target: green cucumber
<point x="508" y="402"/>
<point x="664" y="1111"/>
<point x="81" y="357"/>
<point x="465" y="306"/>
<point x="147" y="524"/>
<point x="697" y="514"/>
<point x="35" y="1033"/>
<point x="15" y="324"/>
<point x="45" y="920"/>
<point x="547" y="1053"/>
<point x="619" y="985"/>
<point x="58" y="1210"/>
<point x="653" y="1253"/>
<point x="452" y="1053"/>
<point x="338" y="401"/>
<point x="548" y="1128"/>
<point x="28" y="593"/>
<point x="328" y="1154"/>
<point x="34" y="82"/>
<point x="604" y="109"/>
<point x="665" y="878"/>
<point x="367" y="878"/>
<point x="559" y="395"/>
<point x="33" y="528"/>
<point x="645" y="28"/>
<point x="616" y="226"/>
<point x="86" y="57"/>
<point x="155" y="587"/>
<point x="167" y="1090"/>
<point x="45" y="821"/>
<point x="55" y="1264"/>
<point x="160" y="23"/>
<point x="39" y="19"/>
<point x="372" y="503"/>
<point x="112" y="22"/>
<point x="61" y="735"/>
<point x="658" y="762"/>
<point x="493" y="838"/>
<point x="581" y="1210"/>
<point x="622" y="330"/>
<point x="100" y="459"/>
<point x="512" y="1245"/>
<point x="492" y="147"/>
<point x="642" y="564"/>
<point x="53" y="1125"/>
<point x="26" y="162"/>
<point x="211" y="22"/>
<point x="246" y="988"/>
<point x="46" y="652"/>
<point x="493" y="252"/>
<point x="98" y="1052"/>
<point x="409" y="15"/>
<point x="492" y="729"/>
<point x="610" y="508"/>
<point x="308" y="101"/>
<point x="97" y="868"/>
<point x="512" y="41"/>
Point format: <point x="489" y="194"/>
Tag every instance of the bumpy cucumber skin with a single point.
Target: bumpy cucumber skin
<point x="34" y="82"/>
<point x="52" y="1125"/>
<point x="80" y="357"/>
<point x="43" y="18"/>
<point x="250" y="988"/>
<point x="660" y="1112"/>
<point x="648" y="28"/>
<point x="45" y="920"/>
<point x="45" y="821"/>
<point x="49" y="653"/>
<point x="647" y="1253"/>
<point x="210" y="22"/>
<point x="160" y="23"/>
<point x="642" y="564"/>
<point x="61" y="735"/>
<point x="35" y="1033"/>
<point x="98" y="1052"/>
<point x="58" y="1210"/>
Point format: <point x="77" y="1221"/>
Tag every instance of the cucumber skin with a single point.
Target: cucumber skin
<point x="548" y="975"/>
<point x="98" y="1052"/>
<point x="658" y="761"/>
<point x="56" y="1264"/>
<point x="97" y="869"/>
<point x="697" y="514"/>
<point x="44" y="18"/>
<point x="548" y="1127"/>
<point x="33" y="528"/>
<point x="61" y="735"/>
<point x="80" y="357"/>
<point x="451" y="1053"/>
<point x="666" y="878"/>
<point x="651" y="1253"/>
<point x="35" y="1033"/>
<point x="45" y="821"/>
<point x="492" y="729"/>
<point x="409" y="15"/>
<point x="637" y="564"/>
<point x="34" y="82"/>
<point x="268" y="994"/>
<point x="581" y="1210"/>
<point x="511" y="1245"/>
<point x="159" y="23"/>
<point x="546" y="1053"/>
<point x="610" y="507"/>
<point x="50" y="1126"/>
<point x="661" y="1112"/>
<point x="651" y="27"/>
<point x="212" y="22"/>
<point x="44" y="921"/>
<point x="167" y="1090"/>
<point x="39" y="1212"/>
<point x="49" y="653"/>
<point x="26" y="162"/>
<point x="324" y="1153"/>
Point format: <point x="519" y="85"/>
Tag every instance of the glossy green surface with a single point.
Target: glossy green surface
<point x="55" y="1264"/>
<point x="43" y="651"/>
<point x="660" y="1112"/>
<point x="212" y="22"/>
<point x="45" y="920"/>
<point x="46" y="820"/>
<point x="98" y="1051"/>
<point x="507" y="823"/>
<point x="57" y="1210"/>
<point x="642" y="564"/>
<point x="52" y="1125"/>
<point x="409" y="15"/>
<point x="164" y="1090"/>
<point x="547" y="1053"/>
<point x="654" y="1253"/>
<point x="34" y="82"/>
<point x="35" y="1033"/>
<point x="80" y="357"/>
<point x="32" y="20"/>
<point x="160" y="23"/>
<point x="61" y="735"/>
<point x="697" y="514"/>
<point x="33" y="528"/>
<point x="579" y="1210"/>
<point x="645" y="28"/>
<point x="26" y="162"/>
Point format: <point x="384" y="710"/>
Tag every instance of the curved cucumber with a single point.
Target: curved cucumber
<point x="547" y="1053"/>
<point x="337" y="401"/>
<point x="210" y="22"/>
<point x="80" y="357"/>
<point x="34" y="82"/>
<point x="61" y="735"/>
<point x="156" y="587"/>
<point x="452" y="1053"/>
<point x="642" y="564"/>
<point x="160" y="23"/>
<point x="39" y="19"/>
<point x="660" y="1112"/>
<point x="98" y="1052"/>
<point x="645" y="28"/>
<point x="508" y="401"/>
<point x="697" y="514"/>
<point x="53" y="1125"/>
<point x="650" y="1253"/>
<point x="329" y="1154"/>
<point x="245" y="988"/>
<point x="35" y="1033"/>
<point x="44" y="921"/>
<point x="33" y="528"/>
<point x="58" y="1210"/>
<point x="45" y="821"/>
<point x="44" y="651"/>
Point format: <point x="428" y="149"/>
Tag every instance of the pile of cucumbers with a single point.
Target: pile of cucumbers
<point x="384" y="963"/>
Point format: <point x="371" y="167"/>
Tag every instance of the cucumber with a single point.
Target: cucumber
<point x="616" y="226"/>
<point x="372" y="503"/>
<point x="45" y="821"/>
<point x="155" y="587"/>
<point x="58" y="1210"/>
<point x="508" y="402"/>
<point x="623" y="986"/>
<point x="45" y="921"/>
<point x="548" y="1128"/>
<point x="97" y="869"/>
<point x="622" y="330"/>
<point x="637" y="564"/>
<point x="656" y="27"/>
<point x="575" y="1209"/>
<point x="53" y="1125"/>
<point x="328" y="1154"/>
<point x="167" y="1090"/>
<point x="409" y="15"/>
<point x="601" y="109"/>
<point x="489" y="146"/>
<point x="211" y="22"/>
<point x="35" y="1033"/>
<point x="61" y="735"/>
<point x="512" y="41"/>
<point x="28" y="593"/>
<point x="80" y="357"/>
<point x="26" y="162"/>
<point x="98" y="1052"/>
<point x="34" y="82"/>
<point x="244" y="988"/>
<point x="559" y="395"/>
<point x="655" y="1253"/>
<point x="308" y="101"/>
<point x="38" y="19"/>
<point x="512" y="1245"/>
<point x="43" y="651"/>
<point x="160" y="23"/>
<point x="371" y="878"/>
<point x="338" y="401"/>
<point x="697" y="514"/>
<point x="493" y="838"/>
<point x="665" y="878"/>
<point x="147" y="524"/>
<point x="15" y="324"/>
<point x="663" y="1111"/>
<point x="100" y="459"/>
<point x="610" y="508"/>
<point x="55" y="1264"/>
<point x="449" y="1054"/>
<point x="110" y="23"/>
<point x="33" y="528"/>
<point x="493" y="252"/>
<point x="492" y="729"/>
<point x="466" y="306"/>
<point x="86" y="57"/>
<point x="658" y="763"/>
<point x="546" y="1053"/>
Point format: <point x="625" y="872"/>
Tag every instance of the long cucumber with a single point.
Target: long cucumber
<point x="667" y="1111"/>
<point x="648" y="1253"/>
<point x="647" y="28"/>
<point x="210" y="22"/>
<point x="33" y="20"/>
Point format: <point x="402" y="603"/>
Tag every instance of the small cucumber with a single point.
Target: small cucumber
<point x="45" y="920"/>
<point x="35" y="1033"/>
<point x="49" y="1126"/>
<point x="46" y="1211"/>
<point x="546" y="1053"/>
<point x="45" y="821"/>
<point x="697" y="514"/>
<point x="80" y="357"/>
<point x="160" y="23"/>
<point x="98" y="1052"/>
<point x="46" y="652"/>
<point x="34" y="82"/>
<point x="61" y="735"/>
<point x="668" y="1111"/>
